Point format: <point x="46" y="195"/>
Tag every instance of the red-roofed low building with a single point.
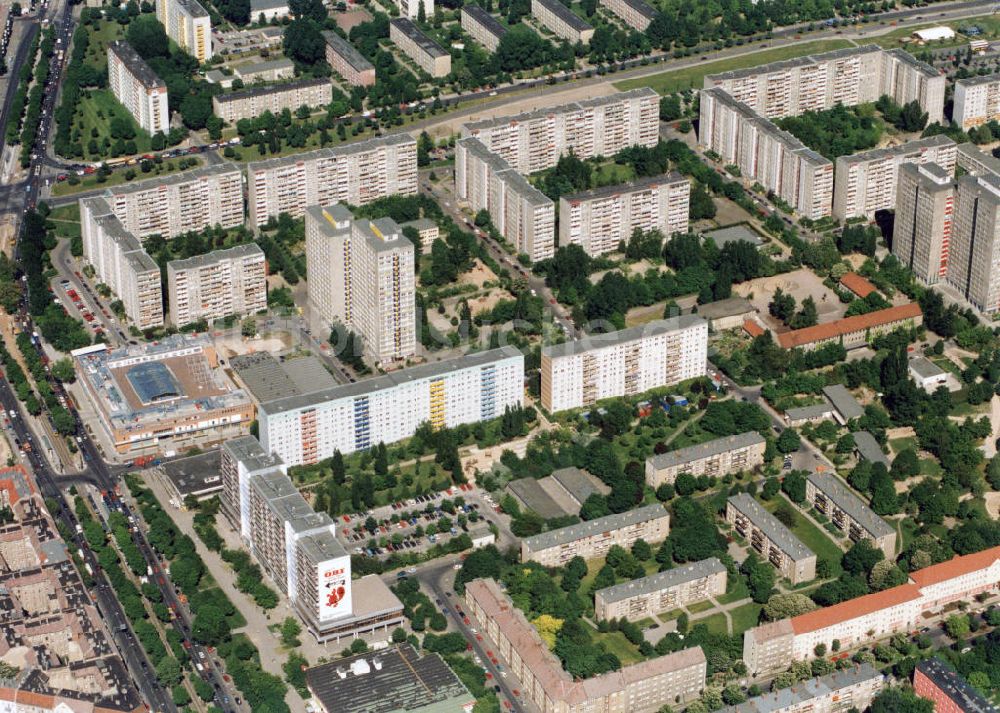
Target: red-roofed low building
<point x="856" y="331"/>
<point x="857" y="284"/>
<point x="770" y="647"/>
<point x="752" y="328"/>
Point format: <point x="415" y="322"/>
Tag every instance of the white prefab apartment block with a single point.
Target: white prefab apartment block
<point x="737" y="106"/>
<point x="252" y="102"/>
<point x="346" y="61"/>
<point x="853" y="688"/>
<point x="411" y="8"/>
<point x="562" y="21"/>
<point x="766" y="154"/>
<point x="831" y="496"/>
<point x="428" y="54"/>
<point x="363" y="278"/>
<point x="355" y="173"/>
<point x="598" y="220"/>
<point x="866" y="182"/>
<point x="624" y="363"/>
<point x="637" y="14"/>
<point x="717" y="457"/>
<point x="974" y="261"/>
<point x="771" y="539"/>
<point x="520" y="212"/>
<point x="534" y="141"/>
<point x="850" y="76"/>
<point x="977" y="101"/>
<point x="181" y="202"/>
<point x="663" y="591"/>
<point x="482" y="27"/>
<point x="189" y="25"/>
<point x="121" y="263"/>
<point x="468" y="389"/>
<point x="138" y="88"/>
<point x="594" y="538"/>
<point x="922" y="229"/>
<point x="298" y="547"/>
<point x="218" y="284"/>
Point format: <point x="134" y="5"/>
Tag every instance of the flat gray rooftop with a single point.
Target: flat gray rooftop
<point x="390" y="380"/>
<point x="217" y="256"/>
<point x="925" y="368"/>
<point x="843" y="401"/>
<point x="136" y="65"/>
<point x="808" y="413"/>
<point x="709" y="449"/>
<point x="869" y="449"/>
<point x="248" y="451"/>
<point x="194" y="475"/>
<point x="565" y="15"/>
<point x="268" y="378"/>
<point x="416" y="35"/>
<point x="485" y="20"/>
<point x="771" y="526"/>
<point x="799" y="695"/>
<point x="623" y="336"/>
<point x="636" y="186"/>
<point x="348" y="52"/>
<point x="331" y="153"/>
<point x="564" y="535"/>
<point x="841" y="496"/>
<point x="661" y="580"/>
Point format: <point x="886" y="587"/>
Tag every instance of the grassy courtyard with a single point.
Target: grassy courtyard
<point x="813" y="538"/>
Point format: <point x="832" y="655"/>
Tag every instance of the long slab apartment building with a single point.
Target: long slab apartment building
<point x="770" y="647"/>
<point x="189" y="25"/>
<point x="482" y="27"/>
<point x="599" y="219"/>
<point x="624" y="363"/>
<point x="717" y="457"/>
<point x="771" y="539"/>
<point x="121" y="263"/>
<point x="136" y="86"/>
<point x="866" y="182"/>
<point x="254" y="101"/>
<point x="594" y="538"/>
<point x="831" y="496"/>
<point x="853" y="688"/>
<point x="977" y="101"/>
<point x="663" y="591"/>
<point x="640" y="688"/>
<point x="520" y="212"/>
<point x="357" y="174"/>
<point x="428" y="54"/>
<point x="562" y="21"/>
<point x="307" y="428"/>
<point x="181" y="202"/>
<point x="298" y="548"/>
<point x="637" y="14"/>
<point x="218" y="284"/>
<point x="362" y="277"/>
<point x="492" y="153"/>
<point x="346" y="61"/>
<point x="737" y="106"/>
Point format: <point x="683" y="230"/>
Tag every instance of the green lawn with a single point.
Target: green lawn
<point x="738" y="592"/>
<point x="101" y="35"/>
<point x="906" y="530"/>
<point x="609" y="174"/>
<point x="698" y="607"/>
<point x="616" y="643"/>
<point x="814" y="539"/>
<point x="88" y="183"/>
<point x="901" y="444"/>
<point x="670" y="615"/>
<point x="745" y="617"/>
<point x="716" y="623"/>
<point x="96" y="109"/>
<point x="948" y="365"/>
<point x="66" y="220"/>
<point x="691" y="77"/>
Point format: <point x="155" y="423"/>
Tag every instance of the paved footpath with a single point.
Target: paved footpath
<point x="272" y="654"/>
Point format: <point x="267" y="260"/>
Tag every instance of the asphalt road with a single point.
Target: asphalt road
<point x="439" y="579"/>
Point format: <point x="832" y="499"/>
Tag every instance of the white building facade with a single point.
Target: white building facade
<point x="221" y="283"/>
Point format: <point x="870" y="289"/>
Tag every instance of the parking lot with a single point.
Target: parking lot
<point x="416" y="524"/>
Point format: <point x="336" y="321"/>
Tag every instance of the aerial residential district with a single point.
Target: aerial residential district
<point x="500" y="356"/>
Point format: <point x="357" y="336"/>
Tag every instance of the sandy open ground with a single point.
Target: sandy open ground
<point x="453" y="125"/>
<point x="800" y="284"/>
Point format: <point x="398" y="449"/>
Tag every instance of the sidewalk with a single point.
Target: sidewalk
<point x="272" y="654"/>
